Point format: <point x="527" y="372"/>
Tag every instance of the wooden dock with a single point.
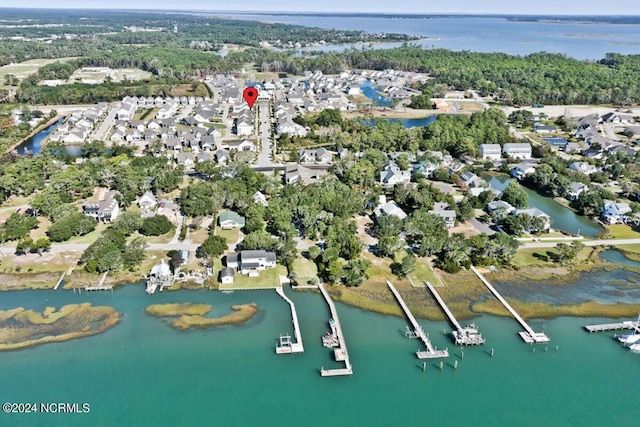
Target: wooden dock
<point x="627" y="325"/>
<point x="286" y="346"/>
<point x="340" y="352"/>
<point x="100" y="286"/>
<point x="431" y="352"/>
<point x="468" y="335"/>
<point x="55" y="288"/>
<point x="528" y="335"/>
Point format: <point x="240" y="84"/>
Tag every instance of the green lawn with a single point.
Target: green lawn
<point x="231" y="236"/>
<point x="304" y="267"/>
<point x="268" y="279"/>
<point x="621" y="231"/>
<point x="424" y="272"/>
<point x="90" y="237"/>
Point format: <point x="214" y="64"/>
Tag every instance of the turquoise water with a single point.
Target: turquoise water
<point x="143" y="372"/>
<point x="370" y="92"/>
<point x="561" y="217"/>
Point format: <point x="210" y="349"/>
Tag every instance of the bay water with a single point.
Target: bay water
<point x="142" y="372"/>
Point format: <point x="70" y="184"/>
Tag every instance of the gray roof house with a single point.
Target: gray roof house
<point x="490" y="151"/>
<point x="251" y="262"/>
<point x="106" y="209"/>
<point x="449" y="216"/>
<point x="518" y="150"/>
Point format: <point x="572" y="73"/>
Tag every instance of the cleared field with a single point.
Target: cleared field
<point x="24" y="69"/>
<point x="99" y="75"/>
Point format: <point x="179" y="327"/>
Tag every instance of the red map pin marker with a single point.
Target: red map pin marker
<point x="250" y="95"/>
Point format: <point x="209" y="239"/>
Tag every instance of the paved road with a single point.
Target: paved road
<point x="107" y="123"/>
<point x="607" y="242"/>
<point x="481" y="226"/>
<point x="264" y="157"/>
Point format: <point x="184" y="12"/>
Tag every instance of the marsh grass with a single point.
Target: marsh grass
<point x="539" y="310"/>
<point x="178" y="309"/>
<point x="241" y="313"/>
<point x="20" y="328"/>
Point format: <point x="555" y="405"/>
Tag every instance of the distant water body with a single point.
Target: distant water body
<point x="576" y="37"/>
<point x="144" y="373"/>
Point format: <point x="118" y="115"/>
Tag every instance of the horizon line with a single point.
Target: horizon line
<point x="294" y="12"/>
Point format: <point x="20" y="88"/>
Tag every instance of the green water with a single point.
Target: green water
<point x="144" y="373"/>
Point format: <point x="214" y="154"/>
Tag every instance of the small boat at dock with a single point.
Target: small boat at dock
<point x="629" y="338"/>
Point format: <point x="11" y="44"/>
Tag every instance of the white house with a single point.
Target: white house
<point x="389" y="208"/>
<point x="490" y="151"/>
<point x="522" y="170"/>
<point x="106" y="209"/>
<point x="615" y="212"/>
<point x="251" y="262"/>
<point x="518" y="150"/>
<point x="258" y="197"/>
<point x="147" y="201"/>
<point x="226" y="275"/>
<point x="244" y="145"/>
<point x="392" y="175"/>
<point x="583" y="167"/>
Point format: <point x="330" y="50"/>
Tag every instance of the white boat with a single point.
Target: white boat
<point x="629" y="338"/>
<point x="635" y="348"/>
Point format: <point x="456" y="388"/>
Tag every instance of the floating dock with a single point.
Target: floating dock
<point x="528" y="335"/>
<point x="468" y="335"/>
<point x="628" y="325"/>
<point x="335" y="339"/>
<point x="286" y="346"/>
<point x="431" y="352"/>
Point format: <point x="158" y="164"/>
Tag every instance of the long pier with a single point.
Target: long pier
<point x="286" y="346"/>
<point x="340" y="352"/>
<point x="528" y="335"/>
<point x="431" y="353"/>
<point x="468" y="335"/>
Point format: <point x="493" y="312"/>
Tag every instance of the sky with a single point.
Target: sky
<point x="537" y="7"/>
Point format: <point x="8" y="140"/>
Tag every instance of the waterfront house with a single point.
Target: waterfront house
<point x="226" y="275"/>
<point x="106" y="209"/>
<point x="518" y="150"/>
<point x="615" y="212"/>
<point x="229" y="219"/>
<point x="251" y="263"/>
<point x="575" y="189"/>
<point x="536" y="213"/>
<point x="490" y="151"/>
<point x="522" y="170"/>
<point x="470" y="179"/>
